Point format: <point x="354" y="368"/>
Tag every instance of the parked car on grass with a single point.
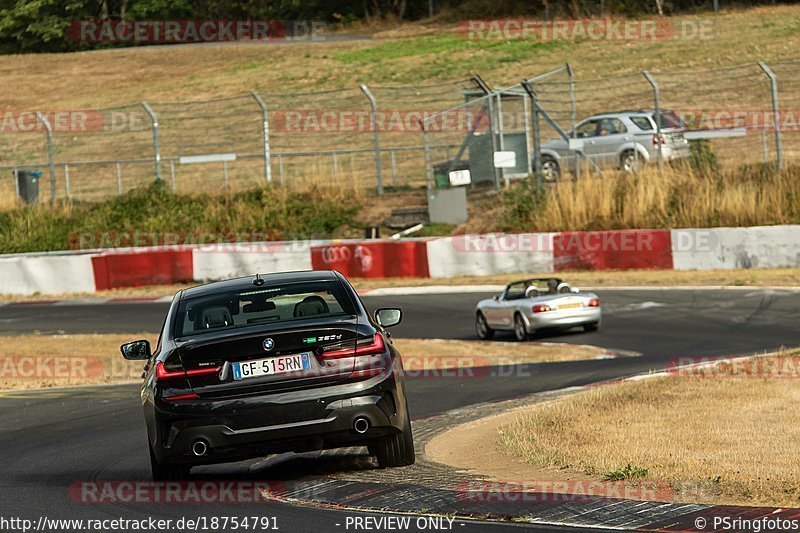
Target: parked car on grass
<point x="624" y="140"/>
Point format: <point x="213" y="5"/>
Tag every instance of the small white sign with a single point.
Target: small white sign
<point x="505" y="159"/>
<point x="575" y="144"/>
<point x="460" y="177"/>
<point x="206" y="158"/>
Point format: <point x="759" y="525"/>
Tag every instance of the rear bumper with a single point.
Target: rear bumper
<point x="240" y="428"/>
<point x="564" y="319"/>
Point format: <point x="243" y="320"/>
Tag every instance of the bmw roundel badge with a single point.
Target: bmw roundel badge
<point x="268" y="344"/>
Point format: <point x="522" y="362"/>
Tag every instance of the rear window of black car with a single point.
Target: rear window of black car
<point x="262" y="305"/>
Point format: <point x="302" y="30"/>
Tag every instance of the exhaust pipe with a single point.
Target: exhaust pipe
<point x="361" y="425"/>
<point x="199" y="448"/>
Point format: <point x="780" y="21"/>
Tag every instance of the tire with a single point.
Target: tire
<point x="551" y="171"/>
<point x="485" y="333"/>
<point x="167" y="472"/>
<point x="629" y="161"/>
<point x="396" y="449"/>
<point x="520" y="330"/>
<point x="594" y="326"/>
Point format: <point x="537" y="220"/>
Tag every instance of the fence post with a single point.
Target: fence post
<point x="119" y="178"/>
<point x="265" y="132"/>
<point x="156" y="149"/>
<point x="427" y="152"/>
<point x="66" y="179"/>
<point x="373" y="118"/>
<point x="573" y="117"/>
<point x="773" y="82"/>
<point x="537" y="151"/>
<point x="657" y="114"/>
<point x="51" y="163"/>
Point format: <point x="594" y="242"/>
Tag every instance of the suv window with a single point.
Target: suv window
<point x="267" y="305"/>
<point x="643" y="123"/>
<point x="611" y="126"/>
<point x="587" y="129"/>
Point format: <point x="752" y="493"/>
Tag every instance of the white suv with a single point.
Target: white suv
<point x="621" y="140"/>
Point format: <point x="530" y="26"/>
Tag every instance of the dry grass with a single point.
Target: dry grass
<point x="677" y="199"/>
<point x="36" y="361"/>
<point x="723" y="438"/>
<point x="777" y="277"/>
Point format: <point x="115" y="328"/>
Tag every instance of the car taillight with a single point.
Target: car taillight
<point x="371" y="346"/>
<point x="541" y="308"/>
<point x="594" y="302"/>
<point x="162" y="374"/>
<point x="655" y="139"/>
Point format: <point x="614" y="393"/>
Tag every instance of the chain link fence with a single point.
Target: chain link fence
<point x="382" y="136"/>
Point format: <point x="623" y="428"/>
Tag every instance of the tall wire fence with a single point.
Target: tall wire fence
<point x="379" y="136"/>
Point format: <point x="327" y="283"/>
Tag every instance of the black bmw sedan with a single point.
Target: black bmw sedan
<point x="267" y="364"/>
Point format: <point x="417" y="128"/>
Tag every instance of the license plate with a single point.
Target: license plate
<point x="569" y="306"/>
<point x="271" y="366"/>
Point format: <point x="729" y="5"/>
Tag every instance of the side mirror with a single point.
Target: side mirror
<point x="136" y="350"/>
<point x="388" y="317"/>
<point x="496" y="297"/>
<point x="575" y="289"/>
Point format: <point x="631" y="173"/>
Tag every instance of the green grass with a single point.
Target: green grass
<point x="266" y="213"/>
<point x="629" y="472"/>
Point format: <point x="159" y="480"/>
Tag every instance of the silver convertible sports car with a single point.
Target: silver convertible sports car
<point x="533" y="304"/>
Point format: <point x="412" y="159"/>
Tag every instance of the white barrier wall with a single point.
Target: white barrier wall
<point x="478" y="255"/>
<point x="732" y="248"/>
<point x="46" y="274"/>
<point x="214" y="264"/>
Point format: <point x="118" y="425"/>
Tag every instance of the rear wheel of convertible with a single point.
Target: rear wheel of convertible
<point x="167" y="472"/>
<point x="520" y="329"/>
<point x="396" y="449"/>
<point x="482" y="328"/>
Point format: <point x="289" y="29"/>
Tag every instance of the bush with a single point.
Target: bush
<point x="272" y="213"/>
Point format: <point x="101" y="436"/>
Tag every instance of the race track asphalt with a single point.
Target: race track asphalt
<point x="52" y="439"/>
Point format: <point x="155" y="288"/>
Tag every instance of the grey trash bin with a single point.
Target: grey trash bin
<point x="28" y="185"/>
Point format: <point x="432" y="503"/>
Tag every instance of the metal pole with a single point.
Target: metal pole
<point x="573" y="118"/>
<point x="500" y="129"/>
<point x="492" y="123"/>
<point x="373" y="117"/>
<point x="764" y="146"/>
<point x="394" y="167"/>
<point x="773" y="81"/>
<point x="430" y="8"/>
<point x="657" y="114"/>
<point x="716" y="5"/>
<point x="427" y="152"/>
<point x="16" y="183"/>
<point x="66" y="179"/>
<point x="265" y="131"/>
<point x="526" y="113"/>
<point x="537" y="156"/>
<point x="51" y="163"/>
<point x="156" y="149"/>
<point x="119" y="178"/>
<point x="335" y="167"/>
<point x="172" y="174"/>
<point x="225" y="173"/>
<point x="280" y="168"/>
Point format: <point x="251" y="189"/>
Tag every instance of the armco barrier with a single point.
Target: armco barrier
<point x="612" y="250"/>
<point x="216" y="263"/>
<point x="681" y="249"/>
<point x="373" y="259"/>
<point x="728" y="248"/>
<point x="46" y="274"/>
<point x="136" y="268"/>
<point x="482" y="255"/>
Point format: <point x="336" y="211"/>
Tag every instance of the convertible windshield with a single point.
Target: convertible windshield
<point x="264" y="305"/>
